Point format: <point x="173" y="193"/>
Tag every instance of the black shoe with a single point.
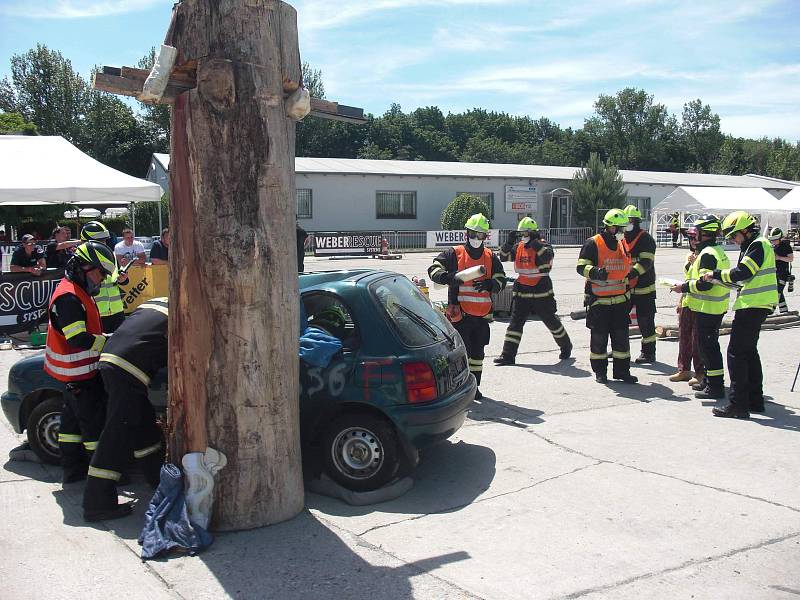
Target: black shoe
<point x="757" y="407"/>
<point x="106" y="514"/>
<point x="709" y="393"/>
<point x="626" y="378"/>
<point x="730" y="411"/>
<point x="478" y="394"/>
<point x="566" y="352"/>
<point x="502" y="361"/>
<point x="700" y="386"/>
<point x="601" y="378"/>
<point x="645" y="359"/>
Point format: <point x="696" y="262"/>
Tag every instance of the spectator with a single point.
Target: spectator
<point x="302" y="236"/>
<point x="28" y="258"/>
<point x="159" y="253"/>
<point x="59" y="251"/>
<point x="129" y="250"/>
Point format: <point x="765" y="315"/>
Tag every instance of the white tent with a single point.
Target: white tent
<point x="723" y="200"/>
<point x="37" y="170"/>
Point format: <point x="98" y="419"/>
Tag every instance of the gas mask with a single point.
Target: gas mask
<point x="629" y="227"/>
<point x="475" y="243"/>
<point x="619" y="235"/>
<point x="526" y="239"/>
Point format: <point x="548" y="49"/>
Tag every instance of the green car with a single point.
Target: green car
<point x="400" y="384"/>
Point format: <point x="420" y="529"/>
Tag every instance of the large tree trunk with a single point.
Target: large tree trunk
<point x="233" y="330"/>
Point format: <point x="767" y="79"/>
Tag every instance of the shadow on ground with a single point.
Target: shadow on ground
<point x="645" y="392"/>
<point x="565" y="368"/>
<point x="489" y="409"/>
<point x="775" y="415"/>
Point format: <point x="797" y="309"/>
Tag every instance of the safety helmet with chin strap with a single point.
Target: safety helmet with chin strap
<point x="615" y="218"/>
<point x="708" y="224"/>
<point x="632" y="212"/>
<point x="737" y="221"/>
<point x="478" y="223"/>
<point x="97" y="255"/>
<point x="94" y="230"/>
<point x="527" y="224"/>
<point x="775" y="234"/>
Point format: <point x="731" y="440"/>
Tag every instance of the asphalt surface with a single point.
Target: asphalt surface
<point x="556" y="487"/>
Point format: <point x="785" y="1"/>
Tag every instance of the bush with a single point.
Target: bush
<point x="460" y="209"/>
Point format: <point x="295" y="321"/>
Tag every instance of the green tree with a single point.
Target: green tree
<point x="461" y="208"/>
<point x="597" y="186"/>
<point x="701" y="134"/>
<point x="13" y="124"/>
<point x="147" y="216"/>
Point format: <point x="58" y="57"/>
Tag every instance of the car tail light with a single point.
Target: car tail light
<point x="420" y="382"/>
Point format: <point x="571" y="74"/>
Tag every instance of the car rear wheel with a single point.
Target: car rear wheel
<point x="360" y="452"/>
<point x="43" y="425"/>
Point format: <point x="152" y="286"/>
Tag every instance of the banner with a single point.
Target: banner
<point x="24" y="299"/>
<point x="346" y="244"/>
<point x="444" y="239"/>
<point x="144" y="283"/>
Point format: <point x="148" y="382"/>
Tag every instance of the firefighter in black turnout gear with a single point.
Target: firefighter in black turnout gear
<point x="606" y="266"/>
<point x="136" y="351"/>
<point x="469" y="302"/>
<point x="533" y="290"/>
<point x="641" y="247"/>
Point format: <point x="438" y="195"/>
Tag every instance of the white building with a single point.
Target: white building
<point x="336" y="194"/>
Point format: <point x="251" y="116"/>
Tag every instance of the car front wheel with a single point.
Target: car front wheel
<point x="360" y="452"/>
<point x="43" y="425"/>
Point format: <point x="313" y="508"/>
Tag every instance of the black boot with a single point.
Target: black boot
<point x="566" y="351"/>
<point x="626" y="378"/>
<point x="757" y="406"/>
<point x="502" y="360"/>
<point x="710" y="393"/>
<point x="151" y="468"/>
<point x="601" y="378"/>
<point x="700" y="385"/>
<point x="645" y="359"/>
<point x="73" y="475"/>
<point x="100" y="501"/>
<point x="731" y="411"/>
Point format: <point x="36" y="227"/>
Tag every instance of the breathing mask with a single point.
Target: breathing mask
<point x="526" y="239"/>
<point x="619" y="236"/>
<point x="629" y="227"/>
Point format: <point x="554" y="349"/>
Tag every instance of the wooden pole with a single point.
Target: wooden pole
<point x="234" y="302"/>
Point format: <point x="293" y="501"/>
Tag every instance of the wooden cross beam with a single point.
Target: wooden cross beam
<point x="128" y="81"/>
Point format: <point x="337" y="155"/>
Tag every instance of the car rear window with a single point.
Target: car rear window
<point x="415" y="320"/>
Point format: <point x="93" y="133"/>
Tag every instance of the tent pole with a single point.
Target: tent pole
<point x="160" y="226"/>
<point x="133" y="218"/>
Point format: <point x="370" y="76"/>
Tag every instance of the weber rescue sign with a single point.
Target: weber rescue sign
<point x="346" y="244"/>
<point x="24" y="299"/>
<point x="456" y="237"/>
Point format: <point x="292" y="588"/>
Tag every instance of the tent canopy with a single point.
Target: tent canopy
<point x="40" y="170"/>
<point x="725" y="200"/>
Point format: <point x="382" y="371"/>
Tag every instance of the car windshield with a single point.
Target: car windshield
<point x="413" y="317"/>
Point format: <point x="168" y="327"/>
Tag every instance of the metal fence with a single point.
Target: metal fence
<point x="417" y="240"/>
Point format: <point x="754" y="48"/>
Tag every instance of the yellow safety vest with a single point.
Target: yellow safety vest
<point x="713" y="301"/>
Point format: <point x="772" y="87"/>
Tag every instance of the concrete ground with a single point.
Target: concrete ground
<point x="556" y="487"/>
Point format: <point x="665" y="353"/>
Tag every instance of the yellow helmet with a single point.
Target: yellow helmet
<point x="477" y="223"/>
<point x="632" y="212"/>
<point x="736" y="221"/>
<point x="527" y="224"/>
<point x="615" y="218"/>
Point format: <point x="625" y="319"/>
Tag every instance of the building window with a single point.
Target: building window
<point x="487" y="197"/>
<point x="304" y="204"/>
<point x="643" y="204"/>
<point x="396" y="205"/>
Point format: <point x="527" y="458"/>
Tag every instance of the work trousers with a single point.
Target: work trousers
<point x="130" y="428"/>
<point x="475" y="333"/>
<point x="521" y="309"/>
<point x="609" y="321"/>
<point x="675" y="235"/>
<point x="646" y="316"/>
<point x="782" y="306"/>
<point x="82" y="415"/>
<point x="744" y="363"/>
<point x="688" y="346"/>
<point x="707" y="336"/>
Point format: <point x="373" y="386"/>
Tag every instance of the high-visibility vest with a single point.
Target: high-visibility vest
<point x="109" y="298"/>
<point x="684" y="302"/>
<point x="761" y="290"/>
<point x="527" y="266"/>
<point x="473" y="302"/>
<point x="617" y="263"/>
<point x="715" y="300"/>
<point x="62" y="360"/>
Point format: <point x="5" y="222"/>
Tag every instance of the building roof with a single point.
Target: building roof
<point x="353" y="166"/>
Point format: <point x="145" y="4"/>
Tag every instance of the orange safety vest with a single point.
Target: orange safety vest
<point x="629" y="247"/>
<point x="473" y="302"/>
<point x="617" y="263"/>
<point x="527" y="267"/>
<point x="62" y="360"/>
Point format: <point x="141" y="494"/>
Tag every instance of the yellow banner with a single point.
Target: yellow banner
<point x="144" y="283"/>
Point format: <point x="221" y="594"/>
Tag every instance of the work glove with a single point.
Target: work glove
<point x="484" y="285"/>
<point x="446" y="278"/>
<point x="599" y="274"/>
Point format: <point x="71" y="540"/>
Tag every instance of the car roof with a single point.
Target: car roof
<point x="321" y="279"/>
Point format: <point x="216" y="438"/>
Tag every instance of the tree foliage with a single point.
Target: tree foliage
<point x="13" y="124"/>
<point x="461" y="208"/>
<point x="597" y="186"/>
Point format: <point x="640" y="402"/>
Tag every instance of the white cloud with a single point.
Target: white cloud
<point x="74" y="9"/>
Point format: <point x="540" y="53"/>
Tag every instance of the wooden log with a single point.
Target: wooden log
<point x="234" y="300"/>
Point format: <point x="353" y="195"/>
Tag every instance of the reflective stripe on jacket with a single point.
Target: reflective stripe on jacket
<point x="715" y="300"/>
<point x="473" y="302"/>
<point x="761" y="290"/>
<point x="527" y="266"/>
<point x="617" y="263"/>
<point x="62" y="360"/>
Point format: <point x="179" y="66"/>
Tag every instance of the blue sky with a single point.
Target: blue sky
<point x="540" y="58"/>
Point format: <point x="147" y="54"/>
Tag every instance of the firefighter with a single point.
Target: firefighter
<point x="708" y="302"/>
<point x="641" y="247"/>
<point x="605" y="265"/>
<point x="470" y="303"/>
<point x="784" y="255"/>
<point x="109" y="299"/>
<point x="136" y="351"/>
<point x="675" y="227"/>
<point x="533" y="290"/>
<point x="756" y="299"/>
<point x="74" y="342"/>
